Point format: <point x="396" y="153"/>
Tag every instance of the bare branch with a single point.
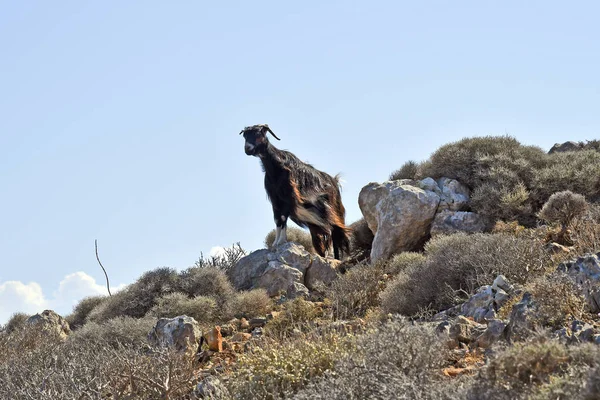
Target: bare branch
<point x="101" y="266"/>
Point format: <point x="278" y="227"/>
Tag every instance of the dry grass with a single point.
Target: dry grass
<point x="296" y="235"/>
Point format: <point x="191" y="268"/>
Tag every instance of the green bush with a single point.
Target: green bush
<point x="203" y="309"/>
<point x="461" y="263"/>
<point x="114" y="333"/>
<point x="295" y="235"/>
<point x="402" y="261"/>
<point x="206" y="281"/>
<point x="297" y="315"/>
<point x="563" y="208"/>
<point x="81" y="311"/>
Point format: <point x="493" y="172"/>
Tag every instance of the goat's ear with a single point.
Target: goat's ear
<point x="242" y="131"/>
<point x="269" y="129"/>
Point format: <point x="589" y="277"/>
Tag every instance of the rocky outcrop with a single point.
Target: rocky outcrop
<point x="454" y="195"/>
<point x="288" y="269"/>
<point x="448" y="222"/>
<point x="50" y="321"/>
<point x="181" y="333"/>
<point x="566" y="146"/>
<point x="399" y="213"/>
<point x="585" y="271"/>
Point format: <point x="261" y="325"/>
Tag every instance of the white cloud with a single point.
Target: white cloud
<point x="29" y="298"/>
<point x="216" y="251"/>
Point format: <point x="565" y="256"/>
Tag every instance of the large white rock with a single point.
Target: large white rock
<point x="448" y="222"/>
<point x="181" y="333"/>
<point x="399" y="213"/>
<point x="454" y="195"/>
<point x="51" y="322"/>
<point x="287" y="269"/>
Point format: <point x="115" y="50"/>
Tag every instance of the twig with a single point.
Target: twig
<point x="101" y="266"/>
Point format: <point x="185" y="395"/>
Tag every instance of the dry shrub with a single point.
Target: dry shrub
<point x="534" y="370"/>
<point x="296" y="235"/>
<point x="206" y="281"/>
<point x="297" y="315"/>
<point x="115" y="333"/>
<point x="402" y="261"/>
<point x="563" y="208"/>
<point x="558" y="300"/>
<point x="461" y="263"/>
<point x="408" y="170"/>
<point x="203" y="309"/>
<point x="16" y="322"/>
<point x="361" y="239"/>
<point x="250" y="304"/>
<point x="224" y="261"/>
<point x="357" y="291"/>
<point x="586" y="231"/>
<point x="276" y="369"/>
<point x="399" y="360"/>
<point x="81" y="311"/>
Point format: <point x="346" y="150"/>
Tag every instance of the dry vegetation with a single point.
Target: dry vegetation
<point x="305" y="351"/>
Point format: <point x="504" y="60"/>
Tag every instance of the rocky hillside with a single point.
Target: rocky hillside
<point x="474" y="274"/>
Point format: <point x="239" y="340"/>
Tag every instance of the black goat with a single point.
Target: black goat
<point x="311" y="198"/>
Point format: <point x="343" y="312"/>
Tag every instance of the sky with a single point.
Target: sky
<point x="119" y="121"/>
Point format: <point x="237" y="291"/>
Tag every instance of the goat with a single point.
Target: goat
<point x="296" y="190"/>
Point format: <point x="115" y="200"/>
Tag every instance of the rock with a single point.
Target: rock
<point x="321" y="270"/>
<point x="454" y="195"/>
<point x="585" y="271"/>
<point x="480" y="304"/>
<point x="257" y="322"/>
<point x="214" y="339"/>
<point x="500" y="283"/>
<point x="244" y="323"/>
<point x="211" y="388"/>
<point x="229" y="328"/>
<point x="282" y="271"/>
<point x="51" y="322"/>
<point x="181" y="333"/>
<point x="448" y="222"/>
<point x="399" y="214"/>
<point x="494" y="331"/>
<point x="463" y="330"/>
<point x="564" y="147"/>
<point x="521" y="324"/>
<point x="241" y="337"/>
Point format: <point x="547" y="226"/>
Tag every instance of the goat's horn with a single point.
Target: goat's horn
<point x="269" y="129"/>
<point x="242" y="131"/>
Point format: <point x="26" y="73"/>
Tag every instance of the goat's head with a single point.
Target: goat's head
<point x="256" y="138"/>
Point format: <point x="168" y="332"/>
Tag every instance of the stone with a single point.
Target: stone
<point x="478" y="305"/>
<point x="585" y="272"/>
<point x="212" y="388"/>
<point x="257" y="322"/>
<point x="447" y="222"/>
<point x="464" y="330"/>
<point x="241" y="337"/>
<point x="181" y="333"/>
<point x="564" y="147"/>
<point x="399" y="214"/>
<point x="214" y="339"/>
<point x="283" y="271"/>
<point x="494" y="332"/>
<point x="454" y="195"/>
<point x="521" y="325"/>
<point x="244" y="324"/>
<point x="50" y="321"/>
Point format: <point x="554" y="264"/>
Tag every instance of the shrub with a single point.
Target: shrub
<point x="16" y="322"/>
<point x="586" y="231"/>
<point x="563" y="208"/>
<point x="361" y="239"/>
<point x="81" y="311"/>
<point x="463" y="263"/>
<point x="250" y="304"/>
<point x="277" y="369"/>
<point x="357" y="291"/>
<point x="206" y="281"/>
<point x="397" y="361"/>
<point x="296" y="235"/>
<point x="203" y="309"/>
<point x="402" y="261"/>
<point x="225" y="261"/>
<point x="558" y="300"/>
<point x="115" y="333"/>
<point x="138" y="298"/>
<point x="408" y="170"/>
<point x="297" y="315"/>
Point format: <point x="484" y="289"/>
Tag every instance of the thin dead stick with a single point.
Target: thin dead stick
<point x="101" y="266"/>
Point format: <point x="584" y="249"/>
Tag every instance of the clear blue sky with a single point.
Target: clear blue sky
<point x="119" y="121"/>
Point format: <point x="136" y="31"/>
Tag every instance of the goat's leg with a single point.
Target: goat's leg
<point x="282" y="229"/>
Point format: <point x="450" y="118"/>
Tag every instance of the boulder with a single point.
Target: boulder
<point x="181" y="333"/>
<point x="50" y="321"/>
<point x="454" y="195"/>
<point x="494" y="332"/>
<point x="399" y="213"/>
<point x="214" y="339"/>
<point x="287" y="270"/>
<point x="564" y="147"/>
<point x="522" y="317"/>
<point x="448" y="222"/>
<point x="585" y="271"/>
